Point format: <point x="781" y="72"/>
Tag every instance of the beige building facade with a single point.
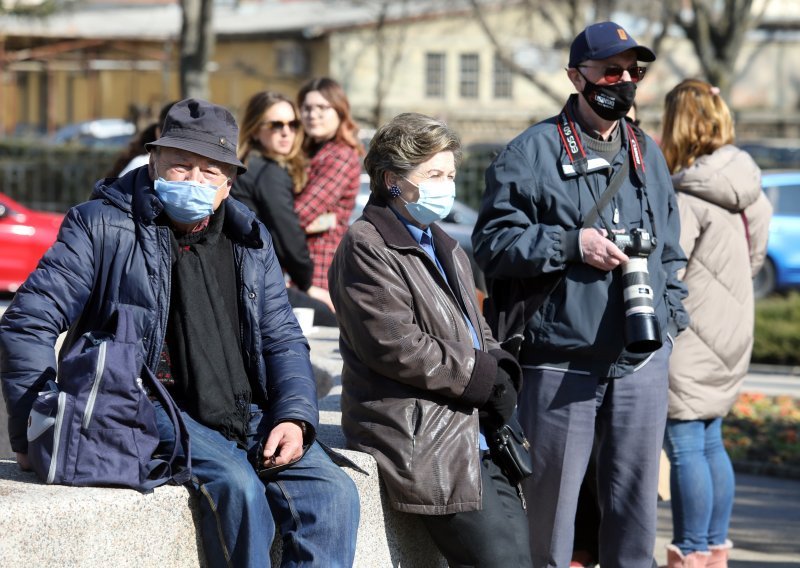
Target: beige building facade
<point x="119" y="61"/>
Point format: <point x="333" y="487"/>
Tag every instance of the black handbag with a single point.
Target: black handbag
<point x="510" y="450"/>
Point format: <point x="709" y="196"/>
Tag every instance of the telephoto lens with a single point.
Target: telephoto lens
<point x="642" y="332"/>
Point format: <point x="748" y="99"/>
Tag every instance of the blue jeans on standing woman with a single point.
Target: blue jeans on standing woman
<point x="701" y="483"/>
<point x="314" y="503"/>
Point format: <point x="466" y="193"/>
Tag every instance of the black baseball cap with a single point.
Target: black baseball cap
<point x="605" y="39"/>
<point x="203" y="128"/>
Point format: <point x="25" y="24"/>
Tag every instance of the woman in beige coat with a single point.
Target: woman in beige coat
<point x="724" y="225"/>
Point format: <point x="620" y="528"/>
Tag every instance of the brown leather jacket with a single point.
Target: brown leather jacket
<point x="412" y="379"/>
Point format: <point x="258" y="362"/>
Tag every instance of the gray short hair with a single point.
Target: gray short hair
<point x="405" y="142"/>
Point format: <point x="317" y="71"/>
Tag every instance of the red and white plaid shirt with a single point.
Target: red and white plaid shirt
<point x="333" y="180"/>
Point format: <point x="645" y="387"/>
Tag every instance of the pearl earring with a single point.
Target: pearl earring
<point x="394" y="190"/>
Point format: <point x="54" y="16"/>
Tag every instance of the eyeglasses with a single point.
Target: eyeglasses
<point x="280" y="125"/>
<point x="308" y="109"/>
<point x="613" y="73"/>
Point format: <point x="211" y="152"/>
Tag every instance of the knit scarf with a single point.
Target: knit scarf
<point x="203" y="331"/>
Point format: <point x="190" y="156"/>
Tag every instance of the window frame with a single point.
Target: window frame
<point x="435" y="89"/>
<point x="469" y="78"/>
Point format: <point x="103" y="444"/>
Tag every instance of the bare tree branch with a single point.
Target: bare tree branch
<point x="717" y="30"/>
<point x="507" y="60"/>
<point x="390" y="54"/>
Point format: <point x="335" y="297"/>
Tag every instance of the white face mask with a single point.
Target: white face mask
<point x="435" y="200"/>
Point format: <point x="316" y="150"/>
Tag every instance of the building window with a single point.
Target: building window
<point x="502" y="79"/>
<point x="293" y="60"/>
<point x="468" y="81"/>
<point x="434" y="75"/>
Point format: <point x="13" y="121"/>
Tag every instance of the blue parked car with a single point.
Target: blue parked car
<point x="782" y="266"/>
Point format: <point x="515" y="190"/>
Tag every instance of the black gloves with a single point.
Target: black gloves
<point x="500" y="406"/>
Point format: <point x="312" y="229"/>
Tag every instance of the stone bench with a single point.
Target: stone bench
<point x="47" y="525"/>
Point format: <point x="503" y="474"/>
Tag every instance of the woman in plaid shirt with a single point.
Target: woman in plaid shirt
<point x="325" y="204"/>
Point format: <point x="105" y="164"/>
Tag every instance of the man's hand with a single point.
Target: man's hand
<point x="284" y="444"/>
<point x="23" y="462"/>
<point x="600" y="252"/>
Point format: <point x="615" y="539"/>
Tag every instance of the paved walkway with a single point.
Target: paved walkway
<point x="765" y="526"/>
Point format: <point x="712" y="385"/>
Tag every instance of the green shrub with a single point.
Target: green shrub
<point x="777" y="330"/>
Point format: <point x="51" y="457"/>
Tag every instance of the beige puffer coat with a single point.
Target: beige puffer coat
<point x="710" y="358"/>
<point x="412" y="379"/>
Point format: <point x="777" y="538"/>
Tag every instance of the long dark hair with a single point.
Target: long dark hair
<point x="335" y="95"/>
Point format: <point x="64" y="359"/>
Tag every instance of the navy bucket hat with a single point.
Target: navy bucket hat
<point x="203" y="128"/>
<point x="605" y="39"/>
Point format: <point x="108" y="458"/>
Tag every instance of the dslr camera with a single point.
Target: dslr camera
<point x="642" y="332"/>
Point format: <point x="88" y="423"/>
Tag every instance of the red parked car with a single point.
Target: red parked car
<point x="25" y="235"/>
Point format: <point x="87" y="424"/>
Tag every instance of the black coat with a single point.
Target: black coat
<point x="267" y="189"/>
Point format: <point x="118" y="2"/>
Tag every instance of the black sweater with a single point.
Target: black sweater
<point x="267" y="189"/>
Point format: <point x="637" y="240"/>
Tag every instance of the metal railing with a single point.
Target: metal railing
<point x="51" y="178"/>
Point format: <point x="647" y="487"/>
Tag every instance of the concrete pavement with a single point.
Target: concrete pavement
<point x="772" y="382"/>
<point x="764" y="526"/>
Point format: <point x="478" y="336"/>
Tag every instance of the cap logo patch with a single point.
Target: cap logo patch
<point x="622" y="35"/>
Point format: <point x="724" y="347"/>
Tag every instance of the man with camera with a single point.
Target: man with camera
<point x="578" y="237"/>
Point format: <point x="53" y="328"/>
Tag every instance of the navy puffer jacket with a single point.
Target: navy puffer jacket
<point x="110" y="252"/>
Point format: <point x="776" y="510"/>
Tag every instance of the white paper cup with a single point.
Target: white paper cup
<point x="305" y="317"/>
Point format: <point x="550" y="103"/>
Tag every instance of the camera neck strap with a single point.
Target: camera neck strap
<point x="577" y="156"/>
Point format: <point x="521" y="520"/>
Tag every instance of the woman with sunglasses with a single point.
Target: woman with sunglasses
<point x="724" y="226"/>
<point x="270" y="142"/>
<point x="332" y="146"/>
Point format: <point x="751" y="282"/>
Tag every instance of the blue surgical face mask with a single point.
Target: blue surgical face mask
<point x="435" y="201"/>
<point x="186" y="201"/>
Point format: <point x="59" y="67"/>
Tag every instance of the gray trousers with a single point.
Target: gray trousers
<point x="562" y="414"/>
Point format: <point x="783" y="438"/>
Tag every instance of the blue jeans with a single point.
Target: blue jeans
<point x="564" y="414"/>
<point x="701" y="482"/>
<point x="314" y="503"/>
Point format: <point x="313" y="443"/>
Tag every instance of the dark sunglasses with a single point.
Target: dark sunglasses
<point x="280" y="125"/>
<point x="613" y="73"/>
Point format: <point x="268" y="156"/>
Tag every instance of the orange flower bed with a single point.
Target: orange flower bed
<point x="763" y="430"/>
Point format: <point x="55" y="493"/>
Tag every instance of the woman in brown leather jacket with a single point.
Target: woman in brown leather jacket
<point x="423" y="378"/>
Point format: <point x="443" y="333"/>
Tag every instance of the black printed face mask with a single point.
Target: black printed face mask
<point x="610" y="102"/>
